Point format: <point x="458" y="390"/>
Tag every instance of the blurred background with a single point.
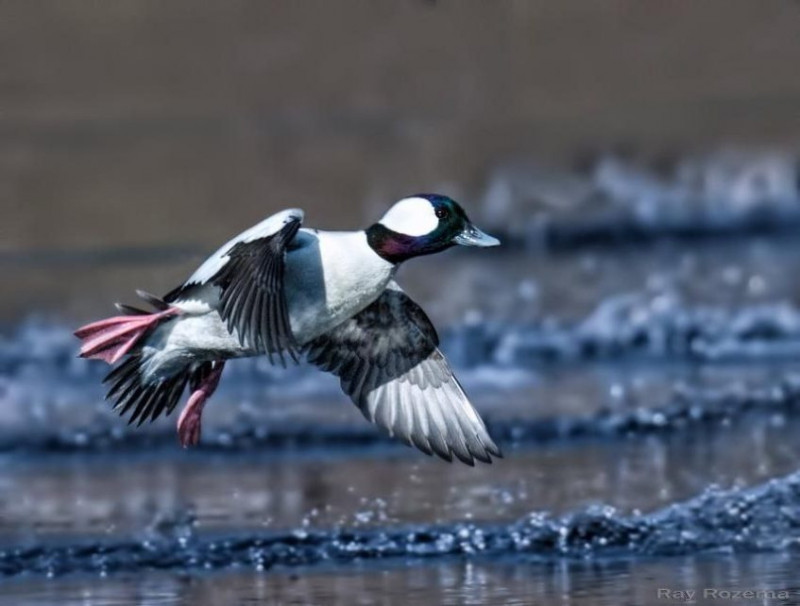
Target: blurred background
<point x="634" y="345"/>
<point x="135" y="124"/>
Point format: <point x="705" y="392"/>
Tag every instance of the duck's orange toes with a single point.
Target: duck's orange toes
<point x="112" y="338"/>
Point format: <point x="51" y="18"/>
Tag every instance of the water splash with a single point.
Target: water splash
<point x="760" y="519"/>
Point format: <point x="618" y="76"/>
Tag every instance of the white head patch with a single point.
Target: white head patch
<point x="411" y="216"/>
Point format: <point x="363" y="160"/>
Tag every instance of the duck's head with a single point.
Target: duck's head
<point x="424" y="224"/>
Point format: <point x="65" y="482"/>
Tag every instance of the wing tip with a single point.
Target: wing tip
<point x="485" y="455"/>
<point x="294" y="214"/>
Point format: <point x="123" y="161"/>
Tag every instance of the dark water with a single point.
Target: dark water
<point x="479" y="581"/>
<point x="640" y="370"/>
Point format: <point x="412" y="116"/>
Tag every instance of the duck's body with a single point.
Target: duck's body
<point x="329" y="277"/>
<point x="281" y="290"/>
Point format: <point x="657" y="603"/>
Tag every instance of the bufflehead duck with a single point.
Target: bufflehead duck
<point x="286" y="291"/>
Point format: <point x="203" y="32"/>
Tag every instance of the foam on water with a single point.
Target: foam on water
<point x="52" y="400"/>
<point x="688" y="409"/>
<point x="656" y="324"/>
<point x="621" y="198"/>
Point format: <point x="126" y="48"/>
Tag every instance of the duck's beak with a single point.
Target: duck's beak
<point x="472" y="236"/>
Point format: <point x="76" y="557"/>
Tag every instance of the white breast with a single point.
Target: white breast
<point x="331" y="277"/>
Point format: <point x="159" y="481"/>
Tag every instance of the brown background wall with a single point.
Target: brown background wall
<point x="137" y="123"/>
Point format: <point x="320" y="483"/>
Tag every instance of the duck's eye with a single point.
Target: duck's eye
<point x="441" y="212"/>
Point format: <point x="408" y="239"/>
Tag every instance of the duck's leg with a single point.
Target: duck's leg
<point x="203" y="385"/>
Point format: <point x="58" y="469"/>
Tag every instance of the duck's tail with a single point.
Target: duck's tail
<point x="134" y="387"/>
<point x="110" y="339"/>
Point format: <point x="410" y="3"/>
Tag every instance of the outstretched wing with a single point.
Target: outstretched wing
<point x="388" y="362"/>
<point x="249" y="272"/>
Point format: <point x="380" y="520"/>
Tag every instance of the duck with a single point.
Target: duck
<point x="290" y="292"/>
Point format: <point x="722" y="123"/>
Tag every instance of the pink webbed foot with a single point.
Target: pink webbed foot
<point x="112" y="338"/>
<point x="190" y="421"/>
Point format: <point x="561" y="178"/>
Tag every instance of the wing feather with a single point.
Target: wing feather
<point x="388" y="362"/>
<point x="252" y="299"/>
<point x="249" y="272"/>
